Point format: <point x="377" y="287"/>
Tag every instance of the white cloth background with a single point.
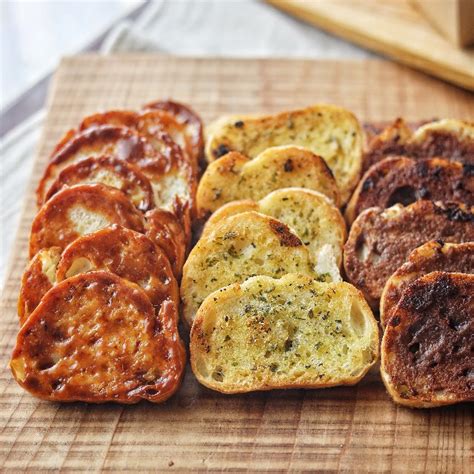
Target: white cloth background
<point x="239" y="28"/>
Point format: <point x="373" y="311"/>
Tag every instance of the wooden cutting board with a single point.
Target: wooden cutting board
<point x="396" y="28"/>
<point x="348" y="428"/>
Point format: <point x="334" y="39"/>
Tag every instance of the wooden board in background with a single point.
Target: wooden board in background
<point x="347" y="428"/>
<point x="391" y="27"/>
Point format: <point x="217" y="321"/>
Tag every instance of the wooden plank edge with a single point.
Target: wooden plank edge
<point x="352" y="34"/>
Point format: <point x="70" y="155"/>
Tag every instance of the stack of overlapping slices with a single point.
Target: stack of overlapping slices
<point x="99" y="299"/>
<point x="410" y="250"/>
<point x="261" y="289"/>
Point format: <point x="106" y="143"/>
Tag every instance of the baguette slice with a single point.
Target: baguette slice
<point x="309" y="213"/>
<point x="447" y="138"/>
<point x="96" y="338"/>
<point x="240" y="247"/>
<point x="327" y="130"/>
<point x="80" y="210"/>
<point x="118" y="250"/>
<point x="38" y="278"/>
<point x="404" y="180"/>
<point x="380" y="240"/>
<point x="430" y="257"/>
<point x="190" y="119"/>
<point x="292" y="332"/>
<point x="427" y="356"/>
<point x="112" y="172"/>
<point x="235" y="177"/>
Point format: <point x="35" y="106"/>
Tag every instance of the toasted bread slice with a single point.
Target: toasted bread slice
<point x="327" y="130"/>
<point x="241" y="246"/>
<point x="380" y="240"/>
<point x="235" y="177"/>
<point x="80" y="210"/>
<point x="427" y="356"/>
<point x="125" y="253"/>
<point x="292" y="332"/>
<point x="309" y="213"/>
<point x="38" y="278"/>
<point x="165" y="230"/>
<point x="447" y="138"/>
<point x="188" y="117"/>
<point x="111" y="171"/>
<point x="429" y="257"/>
<point x="96" y="338"/>
<point x="148" y="123"/>
<point x="405" y="180"/>
<point x="162" y="162"/>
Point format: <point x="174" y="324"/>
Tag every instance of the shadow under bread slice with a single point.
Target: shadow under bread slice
<point x="429" y="257"/>
<point x="96" y="338"/>
<point x="292" y="332"/>
<point x="118" y="250"/>
<point x="405" y="180"/>
<point x="380" y="240"/>
<point x="427" y="347"/>
<point x="316" y="221"/>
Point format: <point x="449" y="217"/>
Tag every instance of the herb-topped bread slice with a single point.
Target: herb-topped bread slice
<point x="292" y="332"/>
<point x="430" y="257"/>
<point x="427" y="356"/>
<point x="310" y="214"/>
<point x="235" y="177"/>
<point x="380" y="240"/>
<point x="240" y="247"/>
<point x="327" y="130"/>
<point x="404" y="180"/>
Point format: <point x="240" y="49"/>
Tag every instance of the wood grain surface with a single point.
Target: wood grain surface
<point x="395" y="28"/>
<point x="341" y="429"/>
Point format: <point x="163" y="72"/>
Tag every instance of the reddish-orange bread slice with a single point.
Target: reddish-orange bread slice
<point x="149" y="123"/>
<point x="80" y="210"/>
<point x="430" y="257"/>
<point x="125" y="253"/>
<point x="427" y="347"/>
<point x="96" y="338"/>
<point x="38" y="278"/>
<point x="165" y="230"/>
<point x="404" y="180"/>
<point x="380" y="240"/>
<point x="185" y="115"/>
<point x="111" y="171"/>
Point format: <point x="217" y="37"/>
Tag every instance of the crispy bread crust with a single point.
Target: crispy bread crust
<point x="239" y="247"/>
<point x="327" y="130"/>
<point x="427" y="357"/>
<point x="380" y="240"/>
<point x="37" y="279"/>
<point x="320" y="206"/>
<point x="125" y="253"/>
<point x="53" y="226"/>
<point x="236" y="177"/>
<point x="404" y="180"/>
<point x="448" y="138"/>
<point x="210" y="319"/>
<point x="429" y="257"/>
<point x="165" y="230"/>
<point x="95" y="338"/>
<point x="185" y="115"/>
<point x="126" y="177"/>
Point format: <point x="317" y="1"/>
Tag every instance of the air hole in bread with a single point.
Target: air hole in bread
<point x="404" y="195"/>
<point x="358" y="321"/>
<point x="218" y="375"/>
<point x="362" y="250"/>
<point x="46" y="364"/>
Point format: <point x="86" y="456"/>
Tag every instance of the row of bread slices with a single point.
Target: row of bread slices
<point x="275" y="226"/>
<point x="99" y="299"/>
